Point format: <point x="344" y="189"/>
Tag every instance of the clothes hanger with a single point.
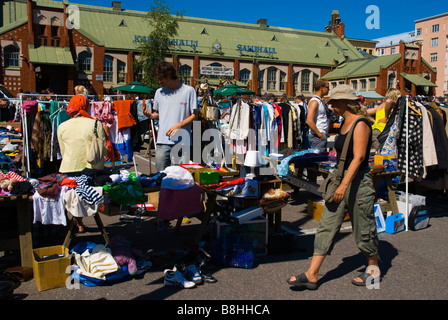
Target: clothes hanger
<point x="417" y="112"/>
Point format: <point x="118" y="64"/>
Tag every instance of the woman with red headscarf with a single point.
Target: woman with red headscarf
<point x="75" y="137"/>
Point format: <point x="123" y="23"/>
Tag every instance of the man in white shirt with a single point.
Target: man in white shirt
<point x="175" y="105"/>
<point x="318" y="119"/>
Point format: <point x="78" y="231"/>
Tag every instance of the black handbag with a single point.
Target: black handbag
<point x="332" y="182"/>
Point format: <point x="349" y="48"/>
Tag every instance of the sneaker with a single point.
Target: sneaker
<point x="192" y="273"/>
<point x="175" y="278"/>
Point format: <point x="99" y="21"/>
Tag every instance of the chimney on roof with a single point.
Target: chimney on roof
<point x="116" y="5"/>
<point x="262" y="22"/>
<point x="336" y="25"/>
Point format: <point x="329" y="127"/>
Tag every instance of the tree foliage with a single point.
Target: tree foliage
<point x="164" y="26"/>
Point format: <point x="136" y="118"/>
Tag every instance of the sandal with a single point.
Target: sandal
<point x="364" y="276"/>
<point x="302" y="280"/>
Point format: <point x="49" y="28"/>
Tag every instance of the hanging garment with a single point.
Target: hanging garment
<point x="175" y="203"/>
<point x="415" y="147"/>
<point x="440" y="138"/>
<point x="41" y="136"/>
<point x="124" y="116"/>
<point x="50" y="210"/>
<point x="429" y="148"/>
<point x="239" y="121"/>
<point x="77" y="207"/>
<point x="121" y="141"/>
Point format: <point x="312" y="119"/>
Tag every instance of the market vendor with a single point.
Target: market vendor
<point x="175" y="105"/>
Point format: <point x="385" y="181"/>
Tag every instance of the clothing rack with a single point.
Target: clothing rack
<point x="23" y="117"/>
<point x="409" y="98"/>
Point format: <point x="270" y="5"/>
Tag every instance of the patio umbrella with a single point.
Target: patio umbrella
<point x="233" y="90"/>
<point x="135" y="87"/>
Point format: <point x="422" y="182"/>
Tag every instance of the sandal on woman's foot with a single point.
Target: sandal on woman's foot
<point x="365" y="277"/>
<point x="302" y="280"/>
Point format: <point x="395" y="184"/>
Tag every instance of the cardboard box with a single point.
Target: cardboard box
<point x="51" y="273"/>
<point x="256" y="230"/>
<point x="206" y="176"/>
<point x="315" y="209"/>
<point x="388" y="161"/>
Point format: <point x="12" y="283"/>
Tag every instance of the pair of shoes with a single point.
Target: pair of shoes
<point x="302" y="280"/>
<point x="175" y="278"/>
<point x="193" y="274"/>
<point x="365" y="277"/>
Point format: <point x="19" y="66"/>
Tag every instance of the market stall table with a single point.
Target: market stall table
<point x="24" y="223"/>
<point x="299" y="180"/>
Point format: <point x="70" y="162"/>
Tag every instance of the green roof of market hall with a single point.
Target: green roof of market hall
<point x="125" y="29"/>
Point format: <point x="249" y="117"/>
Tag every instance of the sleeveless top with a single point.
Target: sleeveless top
<point x="339" y="145"/>
<point x="321" y="117"/>
<point x="378" y="116"/>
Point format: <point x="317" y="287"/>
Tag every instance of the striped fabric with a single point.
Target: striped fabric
<point x="85" y="191"/>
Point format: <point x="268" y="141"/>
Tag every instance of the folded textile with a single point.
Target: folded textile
<point x="97" y="263"/>
<point x="77" y="207"/>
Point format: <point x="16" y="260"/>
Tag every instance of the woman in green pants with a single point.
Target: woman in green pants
<point x="355" y="195"/>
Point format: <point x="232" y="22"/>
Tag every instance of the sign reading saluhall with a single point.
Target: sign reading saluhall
<point x="259" y="49"/>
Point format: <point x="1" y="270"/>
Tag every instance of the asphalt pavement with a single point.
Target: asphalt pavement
<point x="414" y="264"/>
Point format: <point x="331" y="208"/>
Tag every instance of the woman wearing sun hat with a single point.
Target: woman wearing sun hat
<point x="355" y="195"/>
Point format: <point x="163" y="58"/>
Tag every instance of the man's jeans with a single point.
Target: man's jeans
<point x="164" y="158"/>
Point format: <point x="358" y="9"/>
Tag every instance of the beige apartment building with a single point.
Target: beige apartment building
<point x="434" y="33"/>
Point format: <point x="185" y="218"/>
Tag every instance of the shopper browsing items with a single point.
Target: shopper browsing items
<point x="175" y="106"/>
<point x="318" y="117"/>
<point x="381" y="114"/>
<point x="355" y="195"/>
<point x="75" y="137"/>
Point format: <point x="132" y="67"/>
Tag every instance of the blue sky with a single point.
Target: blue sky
<point x="391" y="17"/>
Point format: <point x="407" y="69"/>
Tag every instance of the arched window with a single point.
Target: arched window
<point x="11" y="53"/>
<point x="306" y="85"/>
<point x="121" y="68"/>
<point x="261" y="80"/>
<point x="85" y="61"/>
<point x="272" y="78"/>
<point x="138" y="74"/>
<point x="108" y="69"/>
<point x="185" y="74"/>
<point x="244" y="75"/>
<point x="295" y="81"/>
<point x="282" y="81"/>
<point x="391" y="81"/>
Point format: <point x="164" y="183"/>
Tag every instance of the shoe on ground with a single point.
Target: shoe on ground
<point x="193" y="274"/>
<point x="175" y="278"/>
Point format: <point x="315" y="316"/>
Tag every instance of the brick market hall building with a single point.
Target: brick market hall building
<point x="58" y="45"/>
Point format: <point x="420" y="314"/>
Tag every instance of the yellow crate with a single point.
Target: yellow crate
<point x="315" y="209"/>
<point x="50" y="274"/>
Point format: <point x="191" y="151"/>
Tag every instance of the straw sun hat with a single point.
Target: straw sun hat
<point x="343" y="92"/>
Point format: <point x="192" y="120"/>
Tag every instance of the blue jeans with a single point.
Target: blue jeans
<point x="165" y="157"/>
<point x="316" y="143"/>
